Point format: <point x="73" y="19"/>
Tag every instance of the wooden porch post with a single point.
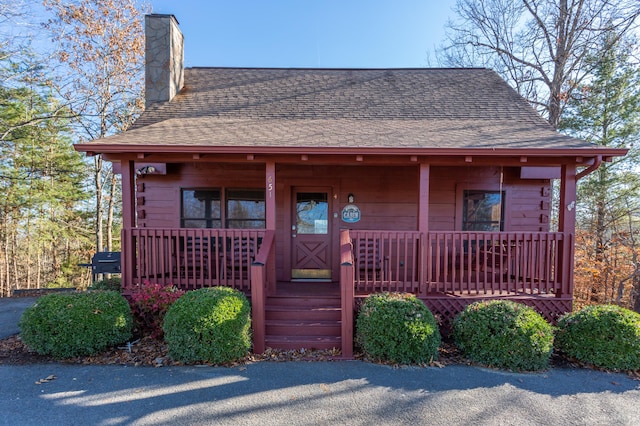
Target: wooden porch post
<point x="423" y="203"/>
<point x="423" y="224"/>
<point x="128" y="221"/>
<point x="567" y="225"/>
<point x="270" y="186"/>
<point x="270" y="212"/>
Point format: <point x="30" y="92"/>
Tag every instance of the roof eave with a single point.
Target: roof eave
<point x="98" y="148"/>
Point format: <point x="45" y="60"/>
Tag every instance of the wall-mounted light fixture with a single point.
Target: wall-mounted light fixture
<point x="146" y="170"/>
<point x="351" y="198"/>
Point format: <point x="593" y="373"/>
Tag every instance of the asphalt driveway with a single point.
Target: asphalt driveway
<point x="306" y="393"/>
<point x="11" y="309"/>
<point x="311" y="393"/>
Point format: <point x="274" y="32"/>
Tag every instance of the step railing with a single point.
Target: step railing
<point x="347" y="295"/>
<point x="262" y="281"/>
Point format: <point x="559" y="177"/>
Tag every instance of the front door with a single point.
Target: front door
<point x="311" y="234"/>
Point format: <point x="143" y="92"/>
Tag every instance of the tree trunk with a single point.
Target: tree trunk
<point x="98" y="169"/>
<point x="110" y="210"/>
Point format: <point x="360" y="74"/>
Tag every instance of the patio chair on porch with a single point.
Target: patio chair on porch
<point x="240" y="256"/>
<point x="199" y="257"/>
<point x="493" y="258"/>
<point x="370" y="264"/>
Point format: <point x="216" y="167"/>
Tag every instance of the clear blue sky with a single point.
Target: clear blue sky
<point x="310" y="33"/>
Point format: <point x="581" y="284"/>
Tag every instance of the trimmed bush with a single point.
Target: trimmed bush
<point x="504" y="334"/>
<point x="68" y="325"/>
<point x="113" y="284"/>
<point x="606" y="336"/>
<point x="149" y="304"/>
<point x="209" y="325"/>
<point x="397" y="327"/>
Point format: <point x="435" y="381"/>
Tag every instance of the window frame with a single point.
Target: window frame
<point x="227" y="198"/>
<point x="223" y="198"/>
<point x="460" y="200"/>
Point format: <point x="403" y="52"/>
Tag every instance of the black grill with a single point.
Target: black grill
<point x="106" y="262"/>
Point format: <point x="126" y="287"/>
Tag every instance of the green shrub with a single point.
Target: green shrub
<point x="113" y="284"/>
<point x="397" y="327"/>
<point x="607" y="336"/>
<point x="210" y="325"/>
<point x="504" y="334"/>
<point x="68" y="325"/>
<point x="149" y="304"/>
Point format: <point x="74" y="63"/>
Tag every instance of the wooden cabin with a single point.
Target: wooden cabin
<point x="309" y="189"/>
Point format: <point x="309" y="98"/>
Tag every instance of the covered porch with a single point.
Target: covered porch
<point x="447" y="269"/>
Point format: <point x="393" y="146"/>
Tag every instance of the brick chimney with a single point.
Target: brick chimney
<point x="164" y="58"/>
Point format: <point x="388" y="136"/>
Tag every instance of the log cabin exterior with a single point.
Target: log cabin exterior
<point x="309" y="189"/>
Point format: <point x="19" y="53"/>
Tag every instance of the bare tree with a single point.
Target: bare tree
<point x="539" y="46"/>
<point x="102" y="44"/>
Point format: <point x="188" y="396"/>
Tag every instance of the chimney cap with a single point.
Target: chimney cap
<point x="162" y="15"/>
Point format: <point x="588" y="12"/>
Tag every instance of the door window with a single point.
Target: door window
<point x="312" y="213"/>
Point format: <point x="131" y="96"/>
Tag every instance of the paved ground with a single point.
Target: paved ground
<point x="301" y="393"/>
<point x="11" y="308"/>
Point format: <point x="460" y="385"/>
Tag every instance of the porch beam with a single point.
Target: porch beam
<point x="331" y="159"/>
<point x="270" y="194"/>
<point x="423" y="201"/>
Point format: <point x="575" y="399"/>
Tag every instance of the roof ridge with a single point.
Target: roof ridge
<point x="341" y="68"/>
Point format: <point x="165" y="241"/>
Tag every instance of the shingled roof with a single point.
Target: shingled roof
<point x="423" y="109"/>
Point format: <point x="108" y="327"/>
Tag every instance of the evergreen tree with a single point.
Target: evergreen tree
<point x="607" y="113"/>
<point x="42" y="180"/>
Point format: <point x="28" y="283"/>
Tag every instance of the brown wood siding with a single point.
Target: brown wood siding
<point x="386" y="196"/>
<point x="161" y="193"/>
<point x="527" y="202"/>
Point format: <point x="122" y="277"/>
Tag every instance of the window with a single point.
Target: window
<point x="246" y="208"/>
<point x="482" y="210"/>
<point x="312" y="212"/>
<point x="201" y="208"/>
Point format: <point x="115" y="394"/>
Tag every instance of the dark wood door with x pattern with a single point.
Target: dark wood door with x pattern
<point x="311" y="234"/>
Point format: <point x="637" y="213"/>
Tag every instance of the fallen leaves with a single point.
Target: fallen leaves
<point x="46" y="379"/>
<point x="147" y="351"/>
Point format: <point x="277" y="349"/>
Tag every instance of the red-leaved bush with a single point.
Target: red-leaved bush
<point x="149" y="303"/>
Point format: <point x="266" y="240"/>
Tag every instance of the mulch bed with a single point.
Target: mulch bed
<point x="154" y="353"/>
<point x="151" y="352"/>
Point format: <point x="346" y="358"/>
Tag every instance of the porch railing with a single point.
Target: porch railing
<point x="422" y="263"/>
<point x="192" y="258"/>
<point x="460" y="262"/>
